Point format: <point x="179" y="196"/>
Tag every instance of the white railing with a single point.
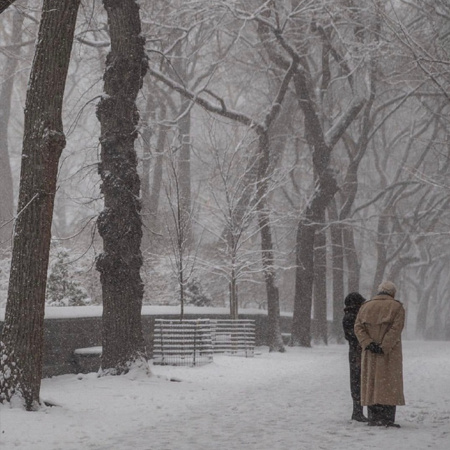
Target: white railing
<point x="193" y="342"/>
<point x="234" y="337"/>
<point x="186" y="343"/>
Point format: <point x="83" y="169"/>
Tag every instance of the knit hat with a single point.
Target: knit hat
<point x="354" y="299"/>
<point x="387" y="287"/>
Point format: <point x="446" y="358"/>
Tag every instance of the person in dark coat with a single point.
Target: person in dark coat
<point x="352" y="303"/>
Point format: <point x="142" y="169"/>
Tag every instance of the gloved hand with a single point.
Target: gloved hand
<point x="374" y="348"/>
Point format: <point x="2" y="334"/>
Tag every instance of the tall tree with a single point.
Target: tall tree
<point x="23" y="332"/>
<point x="262" y="130"/>
<point x="321" y="132"/>
<point x="120" y="224"/>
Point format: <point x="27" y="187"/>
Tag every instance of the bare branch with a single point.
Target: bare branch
<point x="222" y="110"/>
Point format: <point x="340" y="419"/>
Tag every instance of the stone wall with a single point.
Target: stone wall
<point x="62" y="336"/>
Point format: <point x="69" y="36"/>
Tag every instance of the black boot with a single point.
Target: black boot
<point x="382" y="415"/>
<point x="358" y="412"/>
<point x="375" y="416"/>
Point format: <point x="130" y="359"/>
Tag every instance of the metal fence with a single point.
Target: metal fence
<point x="193" y="342"/>
<point x="234" y="337"/>
<point x="186" y="343"/>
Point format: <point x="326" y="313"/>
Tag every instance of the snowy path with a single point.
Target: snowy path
<point x="298" y="400"/>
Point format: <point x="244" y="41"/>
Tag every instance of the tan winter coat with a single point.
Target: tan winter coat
<point x="381" y="320"/>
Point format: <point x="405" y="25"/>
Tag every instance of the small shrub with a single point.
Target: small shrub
<point x="62" y="288"/>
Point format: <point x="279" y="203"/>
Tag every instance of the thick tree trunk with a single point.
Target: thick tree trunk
<point x="338" y="282"/>
<point x="273" y="300"/>
<point x="6" y="179"/>
<point x="351" y="258"/>
<point x="120" y="223"/>
<point x="23" y="332"/>
<point x="320" y="287"/>
<point x="337" y="257"/>
<point x="304" y="278"/>
<point x="326" y="187"/>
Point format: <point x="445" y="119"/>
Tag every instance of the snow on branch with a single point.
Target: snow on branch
<point x="222" y="110"/>
<point x="338" y="129"/>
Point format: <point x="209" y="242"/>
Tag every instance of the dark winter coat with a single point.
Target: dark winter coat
<point x="381" y="320"/>
<point x="354" y="351"/>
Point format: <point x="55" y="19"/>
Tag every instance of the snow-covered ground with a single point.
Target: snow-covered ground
<point x="298" y="400"/>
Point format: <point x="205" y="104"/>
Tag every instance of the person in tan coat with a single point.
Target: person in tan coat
<point x="378" y="327"/>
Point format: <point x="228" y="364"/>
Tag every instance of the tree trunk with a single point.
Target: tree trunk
<point x="273" y="300"/>
<point x="351" y="258"/>
<point x="5" y="4"/>
<point x="120" y="224"/>
<point x="6" y="179"/>
<point x="23" y="331"/>
<point x="337" y="257"/>
<point x="429" y="292"/>
<point x="325" y="189"/>
<point x="184" y="166"/>
<point x="381" y="251"/>
<point x="320" y="287"/>
<point x="234" y="299"/>
<point x="304" y="277"/>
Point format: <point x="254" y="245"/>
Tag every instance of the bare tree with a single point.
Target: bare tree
<point x="23" y="332"/>
<point x="276" y="21"/>
<point x="179" y="227"/>
<point x="262" y="131"/>
<point x="231" y="204"/>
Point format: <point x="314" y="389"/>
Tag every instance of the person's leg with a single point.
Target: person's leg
<point x="375" y="415"/>
<point x="357" y="413"/>
<point x="355" y="384"/>
<point x="388" y="416"/>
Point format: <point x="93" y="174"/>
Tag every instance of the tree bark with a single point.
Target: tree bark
<point x="4" y="4"/>
<point x="320" y="286"/>
<point x="337" y="256"/>
<point x="304" y="278"/>
<point x="351" y="257"/>
<point x="273" y="298"/>
<point x="23" y="331"/>
<point x="120" y="224"/>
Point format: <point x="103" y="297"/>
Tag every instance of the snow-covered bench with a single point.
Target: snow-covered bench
<point x="87" y="359"/>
